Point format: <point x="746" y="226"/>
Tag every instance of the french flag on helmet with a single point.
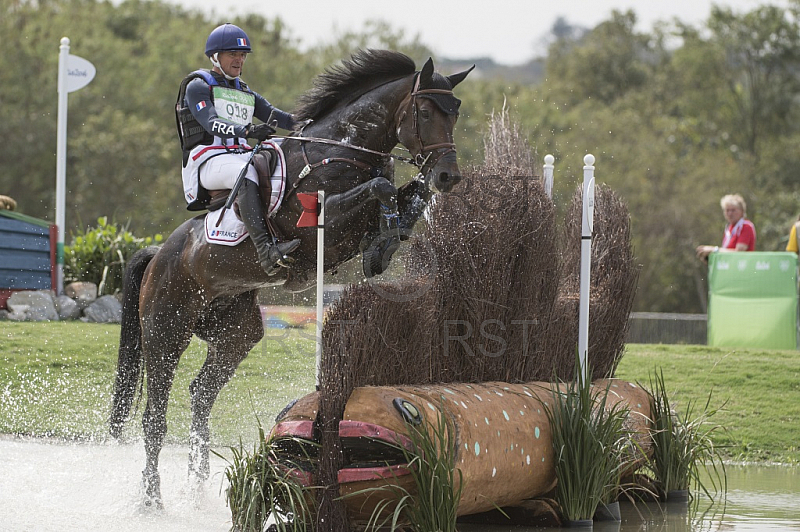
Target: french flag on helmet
<point x="227" y="38"/>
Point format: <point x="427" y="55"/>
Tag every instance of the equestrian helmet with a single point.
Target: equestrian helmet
<point x="227" y="38"/>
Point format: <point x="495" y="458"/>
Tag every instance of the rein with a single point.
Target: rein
<point x="309" y="167"/>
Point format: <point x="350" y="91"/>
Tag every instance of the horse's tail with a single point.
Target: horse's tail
<point x="129" y="364"/>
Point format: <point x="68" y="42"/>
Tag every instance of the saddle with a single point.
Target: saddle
<point x="265" y="163"/>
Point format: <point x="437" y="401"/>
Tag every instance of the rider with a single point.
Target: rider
<point x="215" y="112"/>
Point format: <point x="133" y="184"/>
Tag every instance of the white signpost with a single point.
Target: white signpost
<point x="74" y="73"/>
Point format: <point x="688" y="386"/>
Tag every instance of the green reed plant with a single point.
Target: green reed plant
<point x="683" y="444"/>
<point x="590" y="446"/>
<point x="438" y="484"/>
<point x="260" y="485"/>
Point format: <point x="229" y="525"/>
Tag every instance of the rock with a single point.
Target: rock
<point x="32" y="305"/>
<point x="67" y="308"/>
<point x="107" y="309"/>
<point x="8" y="203"/>
<point x="84" y="293"/>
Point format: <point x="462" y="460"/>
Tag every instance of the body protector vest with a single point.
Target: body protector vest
<point x="234" y="106"/>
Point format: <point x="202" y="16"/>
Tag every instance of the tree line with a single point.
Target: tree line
<point x="676" y="116"/>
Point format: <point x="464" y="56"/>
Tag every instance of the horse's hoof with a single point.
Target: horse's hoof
<point x="371" y="262"/>
<point x="152" y="503"/>
<point x="151" y="487"/>
<point x="376" y="258"/>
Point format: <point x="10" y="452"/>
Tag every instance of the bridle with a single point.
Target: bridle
<point x="421" y="160"/>
<point x="443" y="148"/>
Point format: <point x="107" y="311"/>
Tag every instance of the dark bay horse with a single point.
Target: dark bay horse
<point x="359" y="111"/>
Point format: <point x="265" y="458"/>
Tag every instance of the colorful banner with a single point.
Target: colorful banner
<point x="752" y="300"/>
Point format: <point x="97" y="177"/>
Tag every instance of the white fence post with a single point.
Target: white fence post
<point x="586" y="262"/>
<point x="548" y="175"/>
<point x="320" y="280"/>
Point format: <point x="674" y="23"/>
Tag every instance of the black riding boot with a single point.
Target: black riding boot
<point x="252" y="214"/>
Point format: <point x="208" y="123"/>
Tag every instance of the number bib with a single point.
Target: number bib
<point x="234" y="105"/>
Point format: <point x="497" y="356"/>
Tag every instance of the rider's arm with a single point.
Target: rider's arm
<point x="198" y="98"/>
<point x="264" y="109"/>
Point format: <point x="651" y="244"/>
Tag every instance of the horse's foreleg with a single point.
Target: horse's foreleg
<point x="383" y="238"/>
<point x="412" y="200"/>
<point x="340" y="209"/>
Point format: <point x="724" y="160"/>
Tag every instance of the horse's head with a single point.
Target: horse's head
<point x="425" y="125"/>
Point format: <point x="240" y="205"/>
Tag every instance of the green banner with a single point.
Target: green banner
<point x="752" y="300"/>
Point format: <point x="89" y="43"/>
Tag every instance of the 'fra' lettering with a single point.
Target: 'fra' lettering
<point x="222" y="128"/>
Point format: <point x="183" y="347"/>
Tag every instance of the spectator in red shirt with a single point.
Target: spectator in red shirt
<point x="740" y="233"/>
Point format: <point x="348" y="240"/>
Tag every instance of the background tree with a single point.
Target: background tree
<point x="677" y="116"/>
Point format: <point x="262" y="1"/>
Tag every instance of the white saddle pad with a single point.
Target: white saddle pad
<point x="231" y="230"/>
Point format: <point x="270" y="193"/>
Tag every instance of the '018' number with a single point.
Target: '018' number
<point x="237" y="111"/>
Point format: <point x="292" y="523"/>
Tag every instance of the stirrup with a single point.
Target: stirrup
<point x="278" y="255"/>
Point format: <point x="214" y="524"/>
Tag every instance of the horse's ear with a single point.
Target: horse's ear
<point x="455" y="79"/>
<point x="426" y="74"/>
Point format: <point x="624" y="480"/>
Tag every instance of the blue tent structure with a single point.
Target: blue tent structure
<point x="27" y="254"/>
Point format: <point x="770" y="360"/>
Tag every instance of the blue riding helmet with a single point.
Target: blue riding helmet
<point x="227" y="38"/>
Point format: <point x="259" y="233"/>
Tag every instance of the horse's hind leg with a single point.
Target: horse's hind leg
<point x="166" y="333"/>
<point x="231" y="328"/>
<point x="160" y="373"/>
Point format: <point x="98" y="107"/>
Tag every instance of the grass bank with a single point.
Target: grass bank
<point x="757" y="391"/>
<point x="56" y="380"/>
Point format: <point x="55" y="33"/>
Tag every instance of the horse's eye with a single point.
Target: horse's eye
<point x="425" y="113"/>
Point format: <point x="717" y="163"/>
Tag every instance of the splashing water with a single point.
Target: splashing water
<point x="56" y="486"/>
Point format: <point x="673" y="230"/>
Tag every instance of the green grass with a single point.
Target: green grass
<point x="757" y="393"/>
<point x="261" y="484"/>
<point x="589" y="445"/>
<point x="438" y="483"/>
<point x="56" y="380"/>
<point x="682" y="445"/>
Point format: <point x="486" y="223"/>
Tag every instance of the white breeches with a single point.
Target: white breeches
<point x="220" y="172"/>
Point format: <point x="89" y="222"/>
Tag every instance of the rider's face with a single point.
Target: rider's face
<point x="733" y="213"/>
<point x="232" y="63"/>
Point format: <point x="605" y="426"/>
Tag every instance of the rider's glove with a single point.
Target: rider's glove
<point x="260" y="132"/>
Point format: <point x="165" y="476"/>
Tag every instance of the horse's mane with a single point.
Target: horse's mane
<point x="364" y="69"/>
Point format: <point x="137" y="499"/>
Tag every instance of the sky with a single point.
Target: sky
<point x="508" y="31"/>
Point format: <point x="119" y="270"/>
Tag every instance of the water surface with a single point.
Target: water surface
<point x="54" y="486"/>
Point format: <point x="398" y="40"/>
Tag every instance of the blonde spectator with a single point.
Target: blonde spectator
<point x="740" y="233"/>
